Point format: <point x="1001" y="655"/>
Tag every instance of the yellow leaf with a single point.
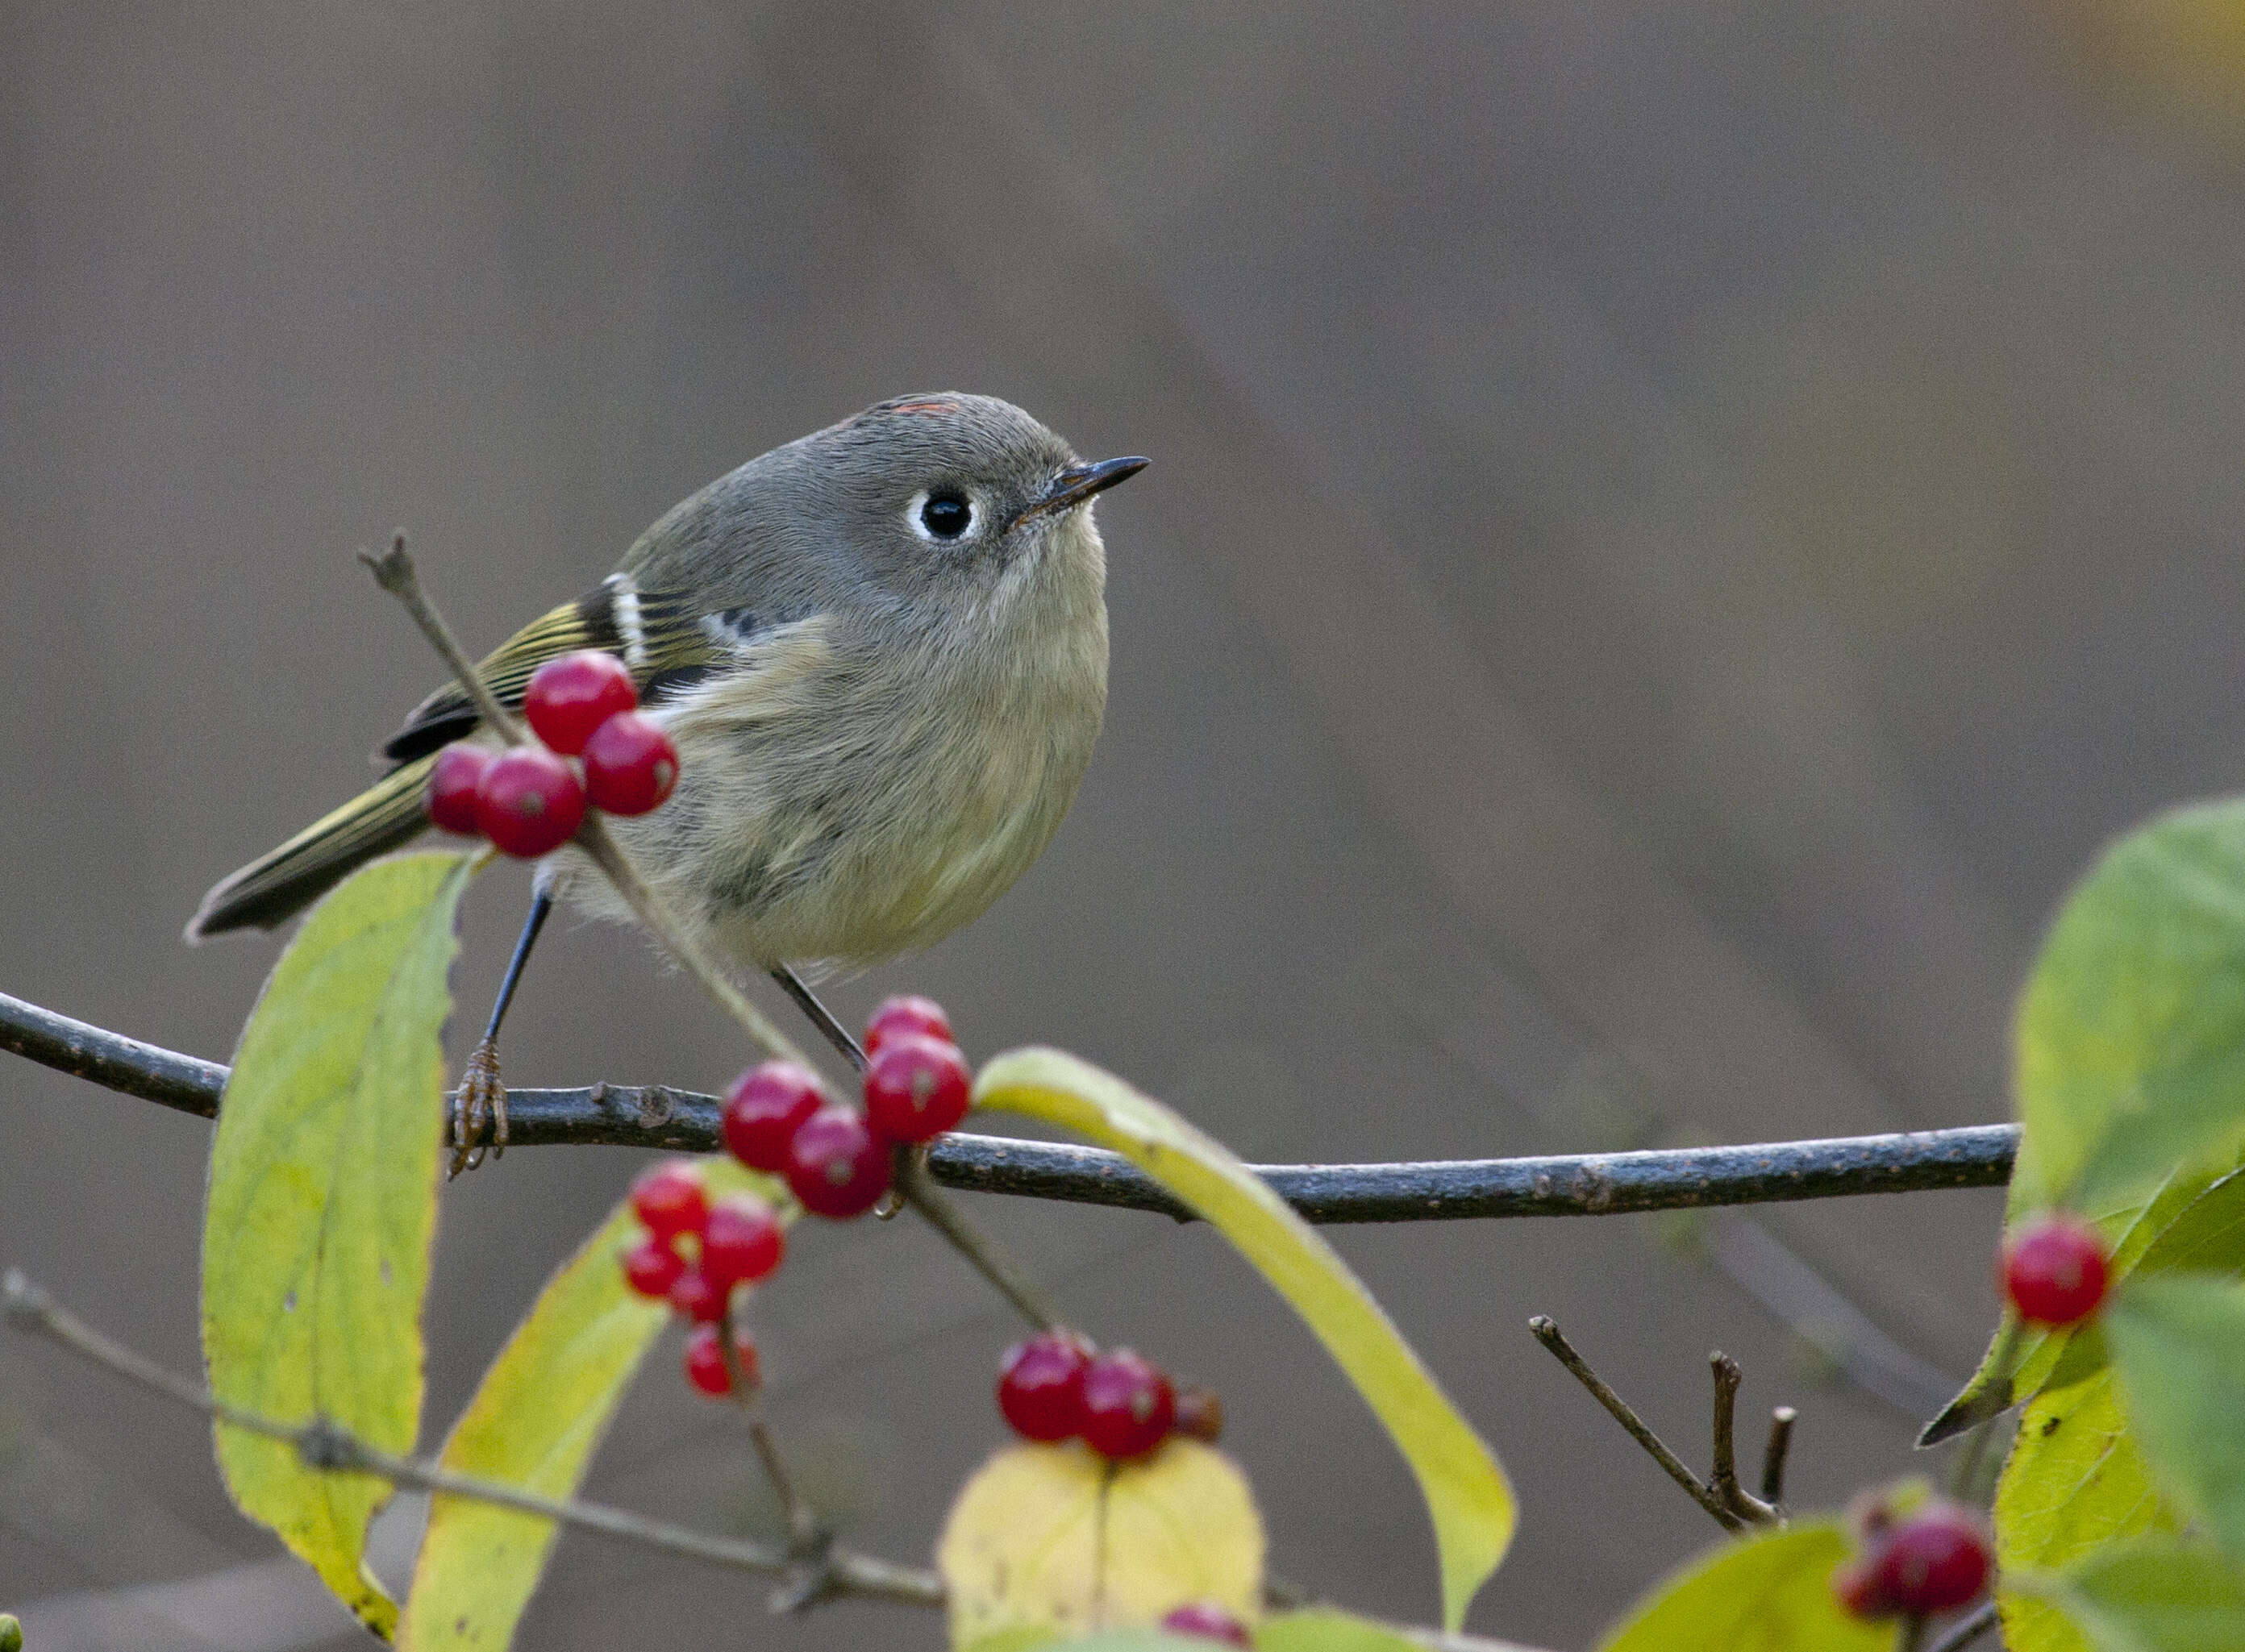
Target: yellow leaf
<point x="1466" y="1495"/>
<point x="322" y="1205"/>
<point x="1050" y="1539"/>
<point x="534" y="1422"/>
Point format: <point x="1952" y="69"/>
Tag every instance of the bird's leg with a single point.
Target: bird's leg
<point x="820" y="1016"/>
<point x="480" y="1105"/>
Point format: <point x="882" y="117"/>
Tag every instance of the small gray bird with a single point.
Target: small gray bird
<point x="881" y="650"/>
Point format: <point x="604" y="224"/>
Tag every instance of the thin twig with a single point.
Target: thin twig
<point x="747" y="1392"/>
<point x="1722" y="1478"/>
<point x="1773" y="1456"/>
<point x="1547" y="1333"/>
<point x="324" y="1446"/>
<point x="815" y="1010"/>
<point x="919" y="1191"/>
<point x="394" y="572"/>
<point x="1966" y="1630"/>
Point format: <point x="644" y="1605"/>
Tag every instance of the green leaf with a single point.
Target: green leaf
<point x="2179" y="1344"/>
<point x="1771" y="1593"/>
<point x="2132" y="1034"/>
<point x="1466" y="1495"/>
<point x="323" y="1203"/>
<point x="2075" y="1485"/>
<point x="2153" y="1597"/>
<point x="1322" y="1629"/>
<point x="533" y="1424"/>
<point x="2195" y="1223"/>
<point x="1051" y="1540"/>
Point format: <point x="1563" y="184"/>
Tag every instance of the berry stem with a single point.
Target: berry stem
<point x="1966" y="1630"/>
<point x="919" y="1191"/>
<point x="1772" y="1457"/>
<point x="804" y="1536"/>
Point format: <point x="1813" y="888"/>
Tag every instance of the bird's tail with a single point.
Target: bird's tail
<point x="276" y="886"/>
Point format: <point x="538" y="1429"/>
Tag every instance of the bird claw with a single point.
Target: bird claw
<point x="478" y="1111"/>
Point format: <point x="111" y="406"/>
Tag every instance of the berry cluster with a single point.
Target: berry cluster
<point x="1056" y="1386"/>
<point x="529" y="800"/>
<point x="694" y="1253"/>
<point x="1933" y="1559"/>
<point x="780" y="1119"/>
<point x="1206" y="1621"/>
<point x="2055" y="1272"/>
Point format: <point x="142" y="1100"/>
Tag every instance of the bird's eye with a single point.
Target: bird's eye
<point x="946" y="515"/>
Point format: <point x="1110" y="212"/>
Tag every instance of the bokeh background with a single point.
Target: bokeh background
<point x="1676" y="528"/>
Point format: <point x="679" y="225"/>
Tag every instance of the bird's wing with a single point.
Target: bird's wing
<point x="663" y="637"/>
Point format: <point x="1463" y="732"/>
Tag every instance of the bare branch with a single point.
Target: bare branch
<point x="1966" y="1630"/>
<point x="322" y="1445"/>
<point x="1773" y="1456"/>
<point x="394" y="572"/>
<point x="1547" y="1332"/>
<point x="1723" y="1479"/>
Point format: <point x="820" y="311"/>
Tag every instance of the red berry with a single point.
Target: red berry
<point x="2055" y="1272"/>
<point x="1127" y="1404"/>
<point x="570" y="697"/>
<point x="744" y="1241"/>
<point x="705" y="1362"/>
<point x="529" y="802"/>
<point x="1206" y="1621"/>
<point x="701" y="1298"/>
<point x="1933" y="1561"/>
<point x="906" y="1012"/>
<point x="651" y="1267"/>
<point x="916" y="1088"/>
<point x="452" y="784"/>
<point x="836" y="1165"/>
<point x="669" y="1200"/>
<point x="630" y="764"/>
<point x="1856" y="1586"/>
<point x="1040" y="1386"/>
<point x="766" y="1104"/>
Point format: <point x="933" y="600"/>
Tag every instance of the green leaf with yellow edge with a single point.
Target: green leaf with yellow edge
<point x="2151" y="1597"/>
<point x="1466" y="1495"/>
<point x="2075" y="1485"/>
<point x="534" y="1424"/>
<point x="1051" y="1538"/>
<point x="1771" y="1593"/>
<point x="2195" y="1223"/>
<point x="322" y="1205"/>
<point x="2178" y="1346"/>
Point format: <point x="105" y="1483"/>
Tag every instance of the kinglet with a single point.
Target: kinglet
<point x="881" y="650"/>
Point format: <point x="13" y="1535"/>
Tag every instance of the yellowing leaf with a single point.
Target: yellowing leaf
<point x="2074" y="1485"/>
<point x="323" y="1203"/>
<point x="534" y="1423"/>
<point x="1466" y="1495"/>
<point x="1769" y="1593"/>
<point x="2148" y="1597"/>
<point x="1052" y="1539"/>
<point x="1323" y="1630"/>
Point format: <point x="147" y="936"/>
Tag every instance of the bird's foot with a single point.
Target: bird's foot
<point x="478" y="1111"/>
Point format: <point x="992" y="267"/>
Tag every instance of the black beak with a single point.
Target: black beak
<point x="1078" y="483"/>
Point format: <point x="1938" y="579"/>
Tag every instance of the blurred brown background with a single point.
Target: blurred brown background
<point x="1675" y="530"/>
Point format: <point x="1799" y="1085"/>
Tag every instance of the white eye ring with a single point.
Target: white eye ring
<point x="945" y="501"/>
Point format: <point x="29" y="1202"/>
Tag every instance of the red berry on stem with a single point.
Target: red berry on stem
<point x="916" y="1088"/>
<point x="669" y="1200"/>
<point x="836" y="1165"/>
<point x="705" y="1362"/>
<point x="570" y="697"/>
<point x="1206" y="1621"/>
<point x="701" y="1298"/>
<point x="906" y="1013"/>
<point x="743" y="1242"/>
<point x="630" y="765"/>
<point x="1856" y="1586"/>
<point x="2055" y="1272"/>
<point x="651" y="1267"/>
<point x="1935" y="1560"/>
<point x="1127" y="1404"/>
<point x="1040" y="1386"/>
<point x="452" y="785"/>
<point x="766" y="1105"/>
<point x="529" y="802"/>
